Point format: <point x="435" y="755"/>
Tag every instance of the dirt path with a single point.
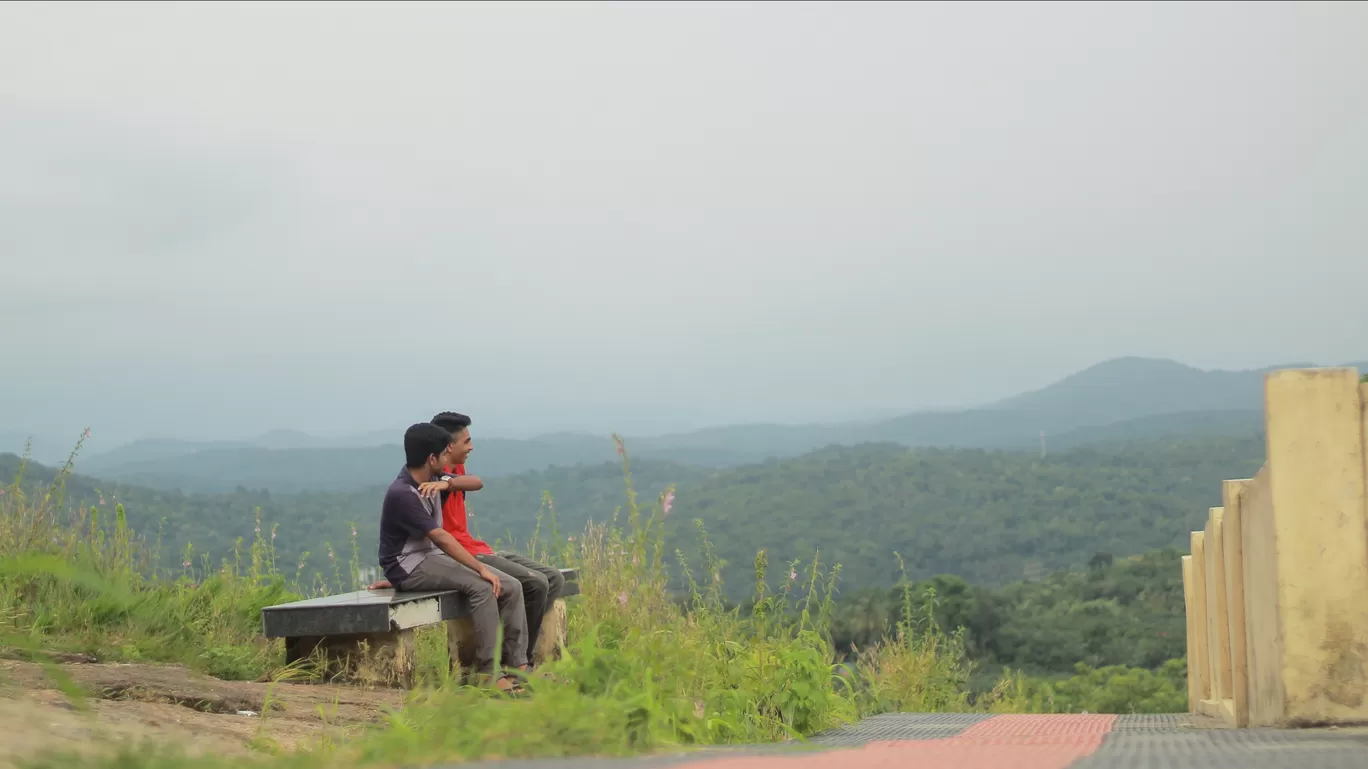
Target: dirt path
<point x="171" y="704"/>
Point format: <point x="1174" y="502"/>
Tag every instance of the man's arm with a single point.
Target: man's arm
<point x="448" y="544"/>
<point x="464" y="483"/>
<point x="450" y="484"/>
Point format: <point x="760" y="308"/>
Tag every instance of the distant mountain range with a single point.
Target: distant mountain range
<point x="1118" y="400"/>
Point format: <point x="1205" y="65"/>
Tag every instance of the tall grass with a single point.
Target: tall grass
<point x="646" y="668"/>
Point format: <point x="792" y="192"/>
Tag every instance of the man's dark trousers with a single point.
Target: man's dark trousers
<point x="541" y="585"/>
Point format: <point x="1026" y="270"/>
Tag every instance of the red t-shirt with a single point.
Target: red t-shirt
<point x="454" y="518"/>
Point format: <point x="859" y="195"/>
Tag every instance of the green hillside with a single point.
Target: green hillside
<point x="313" y="522"/>
<point x="1112" y="611"/>
<point x="990" y="517"/>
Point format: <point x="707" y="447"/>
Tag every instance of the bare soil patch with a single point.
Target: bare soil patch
<point x="175" y="705"/>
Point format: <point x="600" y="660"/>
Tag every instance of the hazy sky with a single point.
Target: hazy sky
<point x="219" y="219"/>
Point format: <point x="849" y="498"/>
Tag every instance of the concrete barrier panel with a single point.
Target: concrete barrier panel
<point x="1232" y="546"/>
<point x="1194" y="685"/>
<point x="1316" y="455"/>
<point x="1199" y="618"/>
<point x="1218" y="633"/>
<point x="1263" y="634"/>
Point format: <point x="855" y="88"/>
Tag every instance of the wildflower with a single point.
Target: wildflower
<point x="634" y="561"/>
<point x="621" y="448"/>
<point x="330" y="553"/>
<point x="622" y="598"/>
<point x="572" y="538"/>
<point x="85" y="434"/>
<point x="353" y="532"/>
<point x="102" y="500"/>
<point x="792" y="575"/>
<point x="272" y="535"/>
<point x="668" y="503"/>
<point x="258" y="529"/>
<point x="186" y="564"/>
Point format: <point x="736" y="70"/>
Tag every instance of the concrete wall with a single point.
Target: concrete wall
<point x="1277" y="584"/>
<point x="1263" y="639"/>
<point x="1232" y="544"/>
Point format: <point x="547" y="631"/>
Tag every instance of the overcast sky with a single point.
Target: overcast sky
<point x="336" y="217"/>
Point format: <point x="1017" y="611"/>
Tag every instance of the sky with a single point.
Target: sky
<point x="220" y="219"/>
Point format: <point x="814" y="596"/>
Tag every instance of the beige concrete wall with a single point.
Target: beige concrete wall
<point x="1194" y="684"/>
<point x="1276" y="587"/>
<point x="1316" y="456"/>
<point x="1232" y="545"/>
<point x="1218" y="634"/>
<point x="1263" y="636"/>
<point x="1200" y="662"/>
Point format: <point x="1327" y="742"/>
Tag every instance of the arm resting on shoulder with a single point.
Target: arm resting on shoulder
<point x="464" y="483"/>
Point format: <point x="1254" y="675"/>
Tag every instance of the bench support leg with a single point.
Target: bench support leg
<point x="461" y="648"/>
<point x="374" y="659"/>
<point x="461" y="641"/>
<point x="552" y="636"/>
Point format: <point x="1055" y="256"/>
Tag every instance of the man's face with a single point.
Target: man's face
<point x="460" y="448"/>
<point x="438" y="460"/>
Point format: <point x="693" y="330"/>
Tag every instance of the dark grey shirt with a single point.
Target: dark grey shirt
<point x="405" y="520"/>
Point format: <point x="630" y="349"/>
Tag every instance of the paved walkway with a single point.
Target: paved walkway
<point x="967" y="741"/>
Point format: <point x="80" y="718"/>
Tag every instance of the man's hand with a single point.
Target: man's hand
<point x="490" y="577"/>
<point x="432" y="488"/>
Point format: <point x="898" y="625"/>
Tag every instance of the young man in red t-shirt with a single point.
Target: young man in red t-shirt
<point x="541" y="584"/>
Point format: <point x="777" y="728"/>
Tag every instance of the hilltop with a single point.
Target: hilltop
<point x="1116" y="401"/>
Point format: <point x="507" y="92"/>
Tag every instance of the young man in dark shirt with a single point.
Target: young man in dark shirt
<point x="541" y="584"/>
<point x="417" y="553"/>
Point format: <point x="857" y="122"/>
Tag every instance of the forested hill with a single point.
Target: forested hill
<point x="1113" y="611"/>
<point x="990" y="517"/>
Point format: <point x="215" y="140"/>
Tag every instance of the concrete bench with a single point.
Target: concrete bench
<point x="366" y="637"/>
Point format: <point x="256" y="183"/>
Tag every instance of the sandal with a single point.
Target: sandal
<point x="514" y="689"/>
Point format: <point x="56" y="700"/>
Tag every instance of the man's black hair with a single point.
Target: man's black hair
<point x="424" y="440"/>
<point x="451" y="421"/>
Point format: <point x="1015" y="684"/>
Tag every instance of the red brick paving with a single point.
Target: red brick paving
<point x="1018" y="742"/>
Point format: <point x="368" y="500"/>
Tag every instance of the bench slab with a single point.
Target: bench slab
<point x="373" y="611"/>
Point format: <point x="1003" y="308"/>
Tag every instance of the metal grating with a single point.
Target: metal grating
<point x="899" y="726"/>
<point x="1143" y="722"/>
<point x="1228" y="749"/>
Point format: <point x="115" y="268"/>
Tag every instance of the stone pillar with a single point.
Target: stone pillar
<point x="1232" y="545"/>
<point x="366" y="659"/>
<point x="1316" y="446"/>
<point x="552" y="636"/>
<point x="1194" y="668"/>
<point x="1218" y="632"/>
<point x="1200" y="662"/>
<point x="461" y="640"/>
